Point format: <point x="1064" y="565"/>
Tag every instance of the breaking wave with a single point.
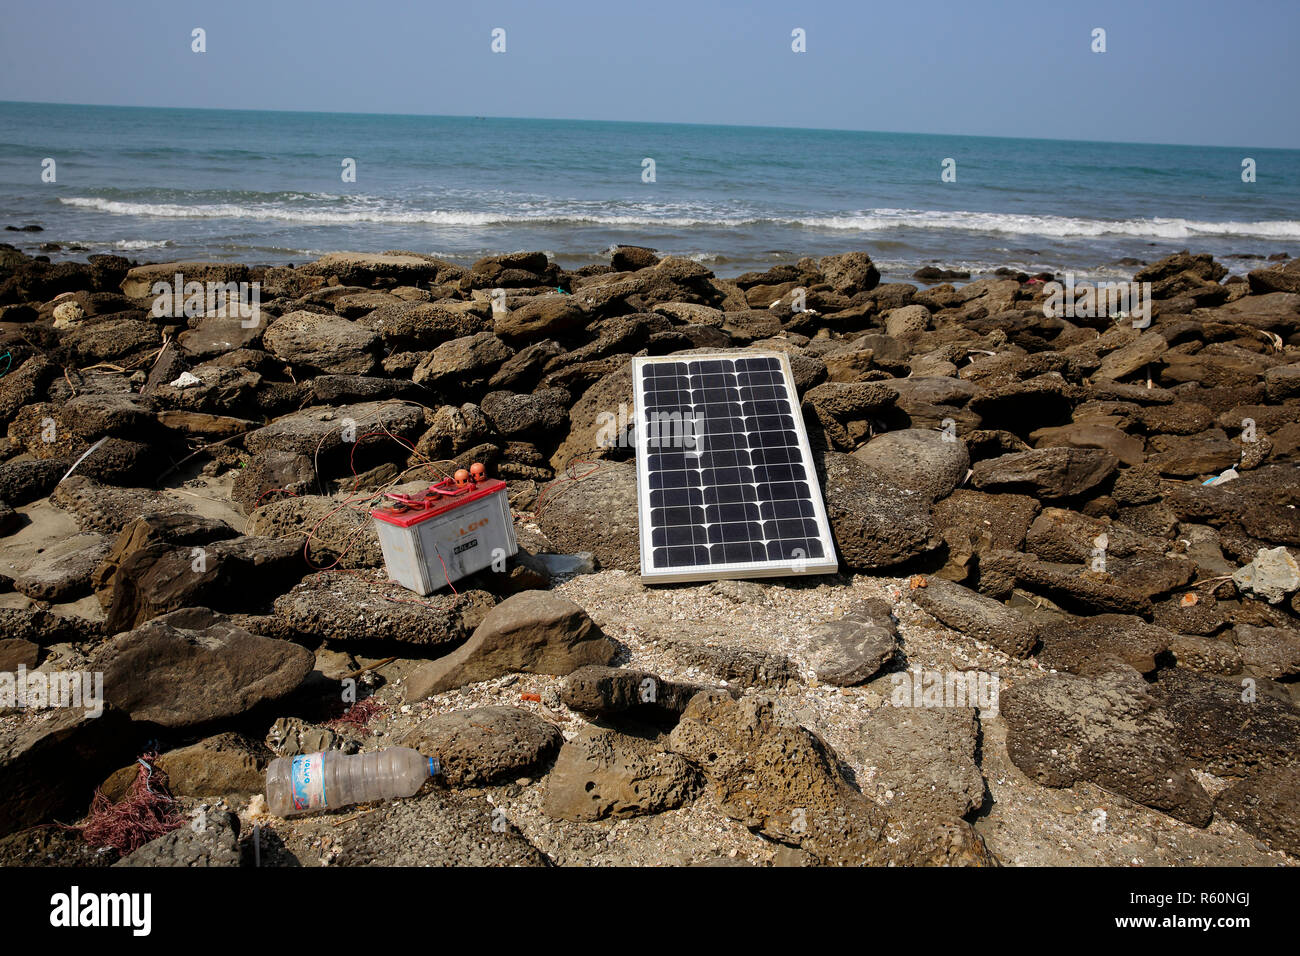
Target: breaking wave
<point x="562" y="213"/>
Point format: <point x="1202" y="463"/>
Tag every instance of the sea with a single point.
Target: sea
<point x="285" y="187"/>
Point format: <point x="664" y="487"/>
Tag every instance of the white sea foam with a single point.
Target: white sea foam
<point x="132" y="245"/>
<point x="1063" y="227"/>
<point x="282" y="213"/>
<point x="983" y="268"/>
<point x="574" y="213"/>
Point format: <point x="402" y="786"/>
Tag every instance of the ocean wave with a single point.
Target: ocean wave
<point x="133" y="245"/>
<point x="390" y="216"/>
<point x="280" y="213"/>
<point x="982" y="268"/>
<point x="1059" y="227"/>
<point x="560" y="213"/>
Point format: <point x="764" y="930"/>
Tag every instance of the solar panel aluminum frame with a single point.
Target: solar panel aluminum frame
<point x="828" y="564"/>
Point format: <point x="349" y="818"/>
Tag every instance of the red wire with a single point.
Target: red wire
<point x="270" y="491"/>
<point x="568" y="475"/>
<point x="349" y="502"/>
<point x="445" y="574"/>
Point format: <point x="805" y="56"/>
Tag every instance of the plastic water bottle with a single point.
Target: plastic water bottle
<point x="330" y="779"/>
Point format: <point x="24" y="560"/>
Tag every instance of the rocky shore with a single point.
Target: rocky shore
<point x="1090" y="518"/>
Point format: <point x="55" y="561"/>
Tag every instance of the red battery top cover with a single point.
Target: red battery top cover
<point x="431" y="503"/>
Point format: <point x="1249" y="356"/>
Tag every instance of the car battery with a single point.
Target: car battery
<point x="456" y="527"/>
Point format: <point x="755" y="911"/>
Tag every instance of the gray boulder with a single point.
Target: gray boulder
<point x="923" y="759"/>
<point x="510" y="413"/>
<point x="1111" y="731"/>
<point x="876" y="523"/>
<point x="351" y="607"/>
<point x="539" y="317"/>
<point x="850" y="273"/>
<point x="601" y="773"/>
<point x="597" y="513"/>
<point x="1046" y="472"/>
<point x="484" y="745"/>
<point x="1272" y="652"/>
<point x="918" y="459"/>
<point x="465" y="360"/>
<point x="324" y="343"/>
<point x="215" y="842"/>
<point x="193" y="666"/>
<point x="533" y="632"/>
<point x="1266" y="805"/>
<point x="599" y="691"/>
<point x="854" y="648"/>
<point x="977" y="616"/>
<point x="63" y="571"/>
<point x="319" y="432"/>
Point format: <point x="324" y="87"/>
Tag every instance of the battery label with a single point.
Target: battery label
<point x="471" y="543"/>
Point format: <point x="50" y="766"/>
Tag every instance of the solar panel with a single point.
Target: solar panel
<point x="725" y="481"/>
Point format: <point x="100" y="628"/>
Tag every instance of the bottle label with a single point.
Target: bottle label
<point x="308" y="778"/>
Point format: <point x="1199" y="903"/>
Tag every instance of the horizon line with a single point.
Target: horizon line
<point x="565" y="119"/>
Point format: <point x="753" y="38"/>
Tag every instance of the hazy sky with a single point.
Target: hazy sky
<point x="1175" y="71"/>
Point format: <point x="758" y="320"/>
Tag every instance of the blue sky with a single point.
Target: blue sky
<point x="1175" y="71"/>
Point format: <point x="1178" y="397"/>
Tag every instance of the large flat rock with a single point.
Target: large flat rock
<point x="193" y="666"/>
<point x="533" y="632"/>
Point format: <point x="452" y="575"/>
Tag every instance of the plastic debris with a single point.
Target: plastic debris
<point x="327" y="779"/>
<point x="1228" y="475"/>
